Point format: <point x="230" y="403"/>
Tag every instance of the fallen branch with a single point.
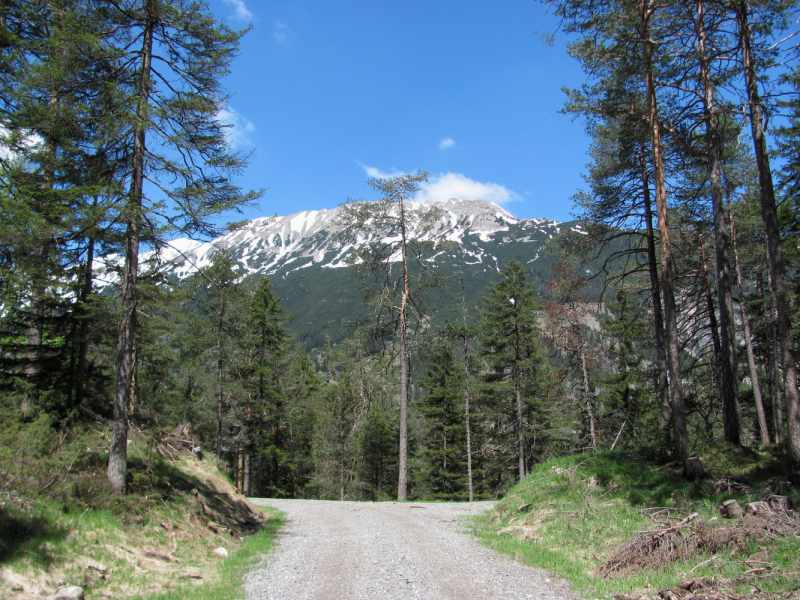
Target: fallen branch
<point x="18" y="497"/>
<point x="616" y="439"/>
<point x="705" y="562"/>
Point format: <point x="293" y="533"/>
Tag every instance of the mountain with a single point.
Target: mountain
<point x="307" y="264"/>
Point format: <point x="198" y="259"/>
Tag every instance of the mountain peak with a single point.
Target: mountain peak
<point x="282" y="244"/>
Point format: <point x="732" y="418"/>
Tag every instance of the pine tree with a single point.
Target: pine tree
<point x="396" y="234"/>
<point x="444" y="438"/>
<point x="512" y="355"/>
<point x="566" y="326"/>
<point x="170" y="108"/>
<point x="266" y="428"/>
<point x="628" y="392"/>
<point x="215" y="331"/>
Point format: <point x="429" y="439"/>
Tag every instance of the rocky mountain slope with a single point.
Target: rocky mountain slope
<point x="307" y="263"/>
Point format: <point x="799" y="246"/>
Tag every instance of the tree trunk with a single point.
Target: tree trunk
<point x="728" y="372"/>
<point x="714" y="329"/>
<point x="655" y="292"/>
<point x="748" y="339"/>
<point x="118" y="451"/>
<point x="83" y="344"/>
<point x="342" y="457"/>
<point x="587" y="396"/>
<point x="769" y="216"/>
<point x="402" y="479"/>
<point x="246" y="485"/>
<point x="670" y="311"/>
<point x="520" y="430"/>
<point x="517" y="375"/>
<point x="777" y="404"/>
<point x="218" y="444"/>
<point x="240" y="470"/>
<point x="466" y="392"/>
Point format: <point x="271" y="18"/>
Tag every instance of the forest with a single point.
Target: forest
<point x="112" y="147"/>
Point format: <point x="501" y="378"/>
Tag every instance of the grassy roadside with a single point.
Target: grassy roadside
<point x="583" y="517"/>
<point x="155" y="542"/>
<point x="230" y="574"/>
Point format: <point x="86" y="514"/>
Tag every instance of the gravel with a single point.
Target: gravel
<point x="364" y="550"/>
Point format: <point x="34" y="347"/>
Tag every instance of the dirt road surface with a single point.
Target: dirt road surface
<point x="367" y="551"/>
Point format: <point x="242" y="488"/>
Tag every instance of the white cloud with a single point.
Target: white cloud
<point x="238" y="128"/>
<point x="240" y="10"/>
<point x="281" y="33"/>
<point x="455" y="185"/>
<point x="378" y="174"/>
<point x="447" y="143"/>
<point x="13" y="147"/>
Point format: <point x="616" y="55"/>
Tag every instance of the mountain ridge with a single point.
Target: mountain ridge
<point x="281" y="244"/>
<point x="304" y="258"/>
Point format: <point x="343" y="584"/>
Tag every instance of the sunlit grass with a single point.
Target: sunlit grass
<point x="572" y="512"/>
<point x="228" y="583"/>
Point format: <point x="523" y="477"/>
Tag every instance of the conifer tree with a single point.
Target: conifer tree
<point x="770" y="15"/>
<point x="511" y="352"/>
<point x="444" y="439"/>
<point x="216" y="332"/>
<point x="265" y="421"/>
<point x="396" y="242"/>
<point x="172" y="55"/>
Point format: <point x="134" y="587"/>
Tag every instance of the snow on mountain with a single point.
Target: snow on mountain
<point x="269" y="245"/>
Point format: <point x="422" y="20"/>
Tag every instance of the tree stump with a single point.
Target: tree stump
<point x="693" y="469"/>
<point x="780" y="503"/>
<point x="731" y="509"/>
<point x="755" y="508"/>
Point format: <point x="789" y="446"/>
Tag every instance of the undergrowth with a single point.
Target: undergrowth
<point x="574" y="512"/>
<point x="60" y="525"/>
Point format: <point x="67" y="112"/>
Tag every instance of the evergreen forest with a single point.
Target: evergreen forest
<point x="680" y="335"/>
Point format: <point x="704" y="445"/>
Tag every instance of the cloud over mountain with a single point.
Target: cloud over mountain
<point x="441" y="188"/>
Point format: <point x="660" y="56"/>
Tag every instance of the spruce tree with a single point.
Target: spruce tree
<point x="444" y="440"/>
<point x="512" y="354"/>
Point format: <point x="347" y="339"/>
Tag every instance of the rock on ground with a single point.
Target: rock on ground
<point x="361" y="550"/>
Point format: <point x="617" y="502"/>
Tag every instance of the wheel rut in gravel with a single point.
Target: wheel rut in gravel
<point x="364" y="550"/>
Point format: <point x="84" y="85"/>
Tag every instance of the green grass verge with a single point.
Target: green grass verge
<point x="231" y="572"/>
<point x="572" y="512"/>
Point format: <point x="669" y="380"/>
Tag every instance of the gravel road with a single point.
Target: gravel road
<point x="361" y="550"/>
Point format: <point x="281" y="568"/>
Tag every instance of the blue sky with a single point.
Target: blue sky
<point x="326" y="93"/>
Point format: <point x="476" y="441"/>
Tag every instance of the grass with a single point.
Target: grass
<point x="230" y="573"/>
<point x="572" y="512"/>
<point x="157" y="541"/>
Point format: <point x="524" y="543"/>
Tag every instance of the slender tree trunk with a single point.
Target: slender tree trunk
<point x="118" y="451"/>
<point x="42" y="252"/>
<point x="655" y="292"/>
<point x="246" y="485"/>
<point x="777" y="404"/>
<point x="83" y="344"/>
<point x="520" y="429"/>
<point x="517" y="375"/>
<point x="402" y="479"/>
<point x="748" y="338"/>
<point x="728" y="371"/>
<point x="712" y="323"/>
<point x="342" y="457"/>
<point x="218" y="444"/>
<point x="678" y="410"/>
<point x="587" y="396"/>
<point x="240" y="470"/>
<point x="466" y="392"/>
<point x="769" y="216"/>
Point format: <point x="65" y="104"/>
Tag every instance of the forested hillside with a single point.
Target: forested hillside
<point x="393" y="348"/>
